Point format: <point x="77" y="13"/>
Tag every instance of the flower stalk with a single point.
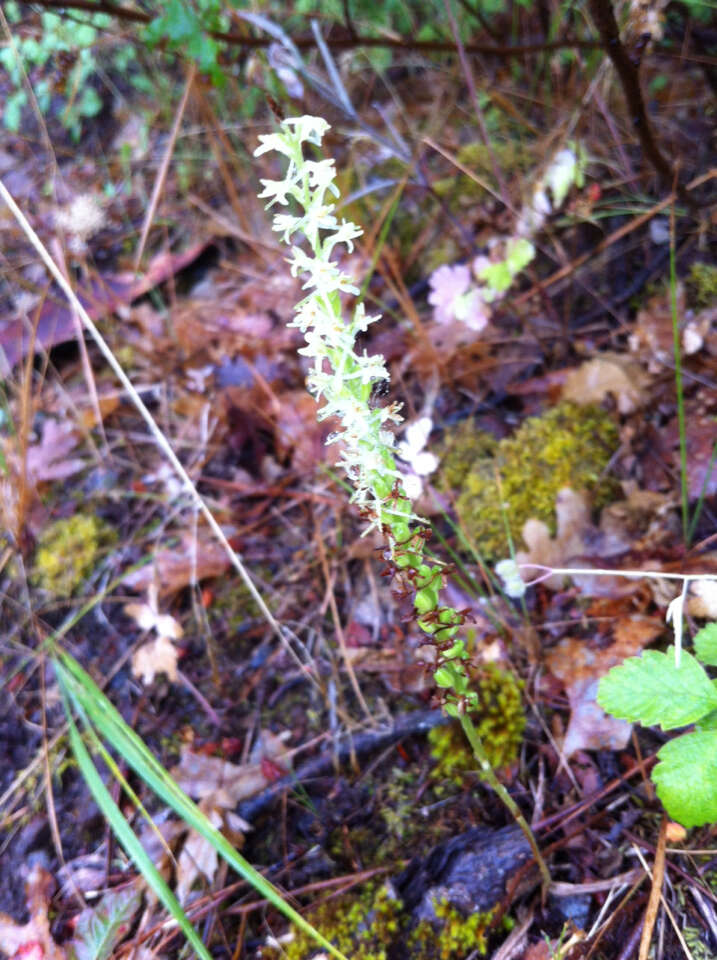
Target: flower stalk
<point x="343" y="379"/>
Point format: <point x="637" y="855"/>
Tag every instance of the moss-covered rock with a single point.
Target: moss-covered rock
<point x="67" y="550"/>
<point x="569" y="446"/>
<point x="500" y="723"/>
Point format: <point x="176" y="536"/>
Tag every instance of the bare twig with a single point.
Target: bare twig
<point x="164" y="167"/>
<point x="627" y="68"/>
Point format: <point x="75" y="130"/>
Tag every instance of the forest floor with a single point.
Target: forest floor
<point x="321" y="750"/>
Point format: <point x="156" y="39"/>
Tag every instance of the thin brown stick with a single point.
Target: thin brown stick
<point x="164" y="167"/>
<point x="658" y="876"/>
<point x="627" y="68"/>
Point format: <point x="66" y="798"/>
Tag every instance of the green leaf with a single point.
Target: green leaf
<point x="99" y="930"/>
<point x="652" y="690"/>
<point x="709" y="722"/>
<point x="496" y="276"/>
<point x="706" y="644"/>
<point x="686" y="778"/>
<point x="518" y="254"/>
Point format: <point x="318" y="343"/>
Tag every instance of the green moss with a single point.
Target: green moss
<point x="362" y="926"/>
<point x="500" y="723"/>
<point x="458" y="936"/>
<point x="67" y="550"/>
<point x="702" y="285"/>
<point x="569" y="446"/>
<point x="462" y="190"/>
<point x="463" y="446"/>
<point x="372" y="925"/>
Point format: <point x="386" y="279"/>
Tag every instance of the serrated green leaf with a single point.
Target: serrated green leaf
<point x="706" y="644"/>
<point x="651" y="690"/>
<point x="98" y="930"/>
<point x="709" y="722"/>
<point x="686" y="778"/>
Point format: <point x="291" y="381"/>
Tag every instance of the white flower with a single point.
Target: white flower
<point x="411" y="447"/>
<point x="448" y="284"/>
<point x="148" y="617"/>
<point x="341" y="378"/>
<point x="561" y="175"/>
<point x="513" y="583"/>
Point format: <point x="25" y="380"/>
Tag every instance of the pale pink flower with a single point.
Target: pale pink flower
<point x="448" y="284"/>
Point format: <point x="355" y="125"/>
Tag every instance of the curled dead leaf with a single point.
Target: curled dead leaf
<point x="609" y="374"/>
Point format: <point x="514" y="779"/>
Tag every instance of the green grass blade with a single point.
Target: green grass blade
<point x="122" y="829"/>
<point x="703" y="494"/>
<point x="109" y="723"/>
<point x="679" y="389"/>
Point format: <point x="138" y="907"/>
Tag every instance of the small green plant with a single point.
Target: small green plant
<point x="63" y="46"/>
<point x="185" y="26"/>
<point x="657" y="689"/>
<point x="343" y="379"/>
<point x="702" y="284"/>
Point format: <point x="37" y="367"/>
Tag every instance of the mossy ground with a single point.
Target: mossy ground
<point x="372" y="925"/>
<point x="500" y="723"/>
<point x="520" y="476"/>
<point x="67" y="550"/>
<point x="702" y="285"/>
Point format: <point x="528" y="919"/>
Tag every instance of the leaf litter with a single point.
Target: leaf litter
<point x="202" y="329"/>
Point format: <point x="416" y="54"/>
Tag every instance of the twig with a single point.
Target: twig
<point x="164" y="167"/>
<point x="407" y="725"/>
<point x="658" y="876"/>
<point x="627" y="68"/>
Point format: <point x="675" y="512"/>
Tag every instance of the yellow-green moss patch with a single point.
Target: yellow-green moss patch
<point x="67" y="550"/>
<point x="569" y="446"/>
<point x="500" y="723"/>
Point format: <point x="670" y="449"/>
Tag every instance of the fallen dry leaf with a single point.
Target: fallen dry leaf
<point x="701" y="439"/>
<point x="652" y="336"/>
<point x="157" y="656"/>
<point x="219" y="785"/>
<point x="190" y="560"/>
<point x="49" y="459"/>
<point x="198" y="856"/>
<point x="609" y="374"/>
<point x="580" y="666"/>
<point x="573" y="519"/>
<point x="32" y="940"/>
<point x="644" y="522"/>
<point x="223" y="784"/>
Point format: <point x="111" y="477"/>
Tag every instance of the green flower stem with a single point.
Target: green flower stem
<point x="489" y="774"/>
<point x="343" y="379"/>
